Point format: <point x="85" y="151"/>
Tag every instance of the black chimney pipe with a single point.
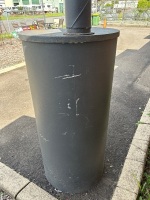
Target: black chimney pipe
<point x="78" y="16"/>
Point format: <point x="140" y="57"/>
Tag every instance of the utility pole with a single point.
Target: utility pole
<point x="113" y="5"/>
<point x="43" y="11"/>
<point x="96" y="4"/>
<point x="124" y="9"/>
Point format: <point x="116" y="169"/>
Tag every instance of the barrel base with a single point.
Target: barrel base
<point x="73" y="187"/>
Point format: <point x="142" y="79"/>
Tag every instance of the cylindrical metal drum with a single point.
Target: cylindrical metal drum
<point x="71" y="80"/>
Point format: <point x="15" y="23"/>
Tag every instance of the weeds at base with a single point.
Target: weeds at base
<point x="144" y="193"/>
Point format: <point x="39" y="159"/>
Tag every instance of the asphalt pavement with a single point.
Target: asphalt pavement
<point x="19" y="147"/>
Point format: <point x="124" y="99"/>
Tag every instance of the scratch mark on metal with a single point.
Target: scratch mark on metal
<point x="62" y="76"/>
<point x="64" y="114"/>
<point x="87" y="119"/>
<point x="77" y="114"/>
<point x="59" y="191"/>
<point x="73" y="76"/>
<point x="69" y="107"/>
<point x="69" y="76"/>
<point x="71" y="65"/>
<point x="65" y="133"/>
<point x="44" y="138"/>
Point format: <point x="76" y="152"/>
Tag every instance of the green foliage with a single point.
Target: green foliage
<point x="145" y="188"/>
<point x="143" y="5"/>
<point x="15" y="17"/>
<point x="20" y="8"/>
<point x="139" y="122"/>
<point x="148" y="114"/>
<point x="120" y="15"/>
<point x="144" y="193"/>
<point x="5" y="36"/>
<point x="109" y="5"/>
<point x="117" y="1"/>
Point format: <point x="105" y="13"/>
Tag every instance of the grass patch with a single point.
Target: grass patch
<point x="4" y="196"/>
<point x="144" y="193"/>
<point x="15" y="17"/>
<point x="139" y="122"/>
<point x="6" y="36"/>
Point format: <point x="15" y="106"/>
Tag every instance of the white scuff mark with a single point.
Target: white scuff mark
<point x="86" y="119"/>
<point x="73" y="76"/>
<point x="77" y="114"/>
<point x="66" y="76"/>
<point x="58" y="190"/>
<point x="69" y="107"/>
<point x="44" y="138"/>
<point x="64" y="114"/>
<point x="71" y="65"/>
<point x="65" y="133"/>
<point x="62" y="76"/>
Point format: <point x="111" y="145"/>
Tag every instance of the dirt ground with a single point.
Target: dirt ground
<point x="11" y="52"/>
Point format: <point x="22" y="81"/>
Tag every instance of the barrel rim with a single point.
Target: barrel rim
<point x="59" y="36"/>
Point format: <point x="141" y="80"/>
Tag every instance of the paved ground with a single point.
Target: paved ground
<point x="129" y="96"/>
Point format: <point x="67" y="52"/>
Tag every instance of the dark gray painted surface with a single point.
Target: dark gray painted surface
<point x="71" y="87"/>
<point x="59" y="36"/>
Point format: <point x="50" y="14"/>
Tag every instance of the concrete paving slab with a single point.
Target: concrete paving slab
<point x="141" y="145"/>
<point x="2" y="165"/>
<point x="129" y="39"/>
<point x="10" y="181"/>
<point x="132" y="171"/>
<point x="121" y="194"/>
<point x="131" y="176"/>
<point x="33" y="192"/>
<point x="145" y="118"/>
<point x="142" y="132"/>
<point x="138" y="150"/>
<point x="147" y="108"/>
<point x="10" y="68"/>
<point x="16" y="98"/>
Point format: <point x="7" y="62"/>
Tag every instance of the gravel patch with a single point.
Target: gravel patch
<point x="4" y="196"/>
<point x="11" y="52"/>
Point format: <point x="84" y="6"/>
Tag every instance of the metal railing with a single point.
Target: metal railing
<point x="125" y="14"/>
